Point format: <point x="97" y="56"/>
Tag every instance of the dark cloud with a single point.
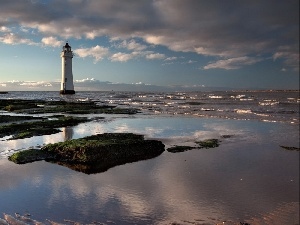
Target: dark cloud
<point x="226" y="29"/>
<point x="232" y="63"/>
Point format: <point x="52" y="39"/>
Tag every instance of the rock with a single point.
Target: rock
<point x="290" y="148"/>
<point x="179" y="148"/>
<point x="96" y="153"/>
<point x="39" y="127"/>
<point x="75" y="107"/>
<point x="30" y="155"/>
<point x="208" y="143"/>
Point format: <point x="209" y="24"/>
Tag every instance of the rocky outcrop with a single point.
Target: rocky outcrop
<point x="208" y="143"/>
<point x="38" y="127"/>
<point x="96" y="153"/>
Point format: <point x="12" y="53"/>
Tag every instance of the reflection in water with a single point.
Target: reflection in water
<point x="245" y="179"/>
<point x="68" y="133"/>
<point x="278" y="216"/>
<point x="104" y="165"/>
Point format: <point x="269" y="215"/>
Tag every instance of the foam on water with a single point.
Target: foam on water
<point x="280" y="106"/>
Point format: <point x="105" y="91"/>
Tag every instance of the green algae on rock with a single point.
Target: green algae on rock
<point x="29" y="155"/>
<point x="180" y="148"/>
<point x="12" y="105"/>
<point x="9" y="118"/>
<point x="96" y="153"/>
<point x="75" y="107"/>
<point x="208" y="143"/>
<point x="38" y="128"/>
<point x="111" y="146"/>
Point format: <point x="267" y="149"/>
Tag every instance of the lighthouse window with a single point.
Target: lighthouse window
<point x="65" y="79"/>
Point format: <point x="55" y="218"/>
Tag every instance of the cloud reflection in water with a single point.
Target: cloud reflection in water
<point x="243" y="179"/>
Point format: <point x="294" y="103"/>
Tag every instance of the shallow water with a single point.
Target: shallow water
<point x="268" y="106"/>
<point x="248" y="178"/>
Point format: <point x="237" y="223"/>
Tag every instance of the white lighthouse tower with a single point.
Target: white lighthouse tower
<point x="67" y="86"/>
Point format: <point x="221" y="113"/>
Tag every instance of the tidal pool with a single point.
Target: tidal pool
<point x="248" y="178"/>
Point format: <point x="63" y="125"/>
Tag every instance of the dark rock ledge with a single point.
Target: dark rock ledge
<point x="94" y="154"/>
<point x="208" y="143"/>
<point x="289" y="148"/>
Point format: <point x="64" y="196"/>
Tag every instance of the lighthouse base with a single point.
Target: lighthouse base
<point x="67" y="92"/>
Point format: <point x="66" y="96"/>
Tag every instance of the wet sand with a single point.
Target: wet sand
<point x="248" y="178"/>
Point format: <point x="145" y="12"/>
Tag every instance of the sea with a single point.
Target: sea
<point x="251" y="178"/>
<point x="268" y="106"/>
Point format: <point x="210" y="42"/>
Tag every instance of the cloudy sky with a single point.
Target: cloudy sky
<point x="150" y="43"/>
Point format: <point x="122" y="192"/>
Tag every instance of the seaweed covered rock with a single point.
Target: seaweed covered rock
<point x="207" y="143"/>
<point x="30" y="155"/>
<point x="109" y="146"/>
<point x="180" y="148"/>
<point x="39" y="127"/>
<point x="70" y="107"/>
<point x="97" y="153"/>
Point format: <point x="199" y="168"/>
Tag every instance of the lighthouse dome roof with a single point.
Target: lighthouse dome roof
<point x="67" y="45"/>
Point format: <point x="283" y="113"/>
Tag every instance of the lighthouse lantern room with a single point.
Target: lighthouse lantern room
<point x="67" y="86"/>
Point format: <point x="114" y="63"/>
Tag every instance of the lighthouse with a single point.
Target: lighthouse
<point x="67" y="86"/>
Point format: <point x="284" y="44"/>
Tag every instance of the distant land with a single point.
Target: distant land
<point x="96" y="85"/>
